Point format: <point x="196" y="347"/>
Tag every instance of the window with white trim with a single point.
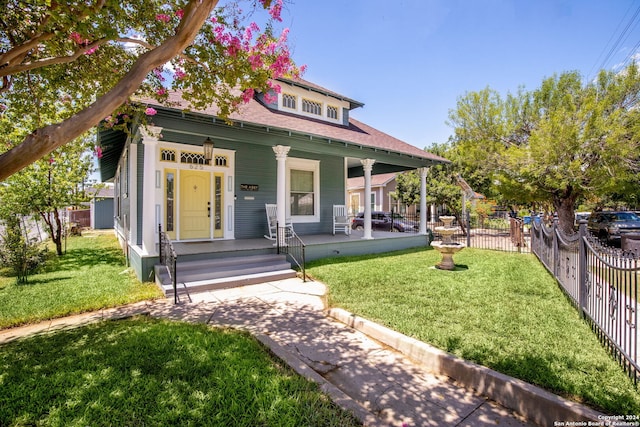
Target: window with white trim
<point x="312" y="107"/>
<point x="303" y="189"/>
<point x="332" y="112"/>
<point x="289" y="101"/>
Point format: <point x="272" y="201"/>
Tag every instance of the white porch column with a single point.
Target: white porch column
<point x="149" y="194"/>
<point x="423" y="200"/>
<point x="367" y="166"/>
<point x="281" y="152"/>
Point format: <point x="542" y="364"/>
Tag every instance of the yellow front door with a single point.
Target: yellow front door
<point x="195" y="204"/>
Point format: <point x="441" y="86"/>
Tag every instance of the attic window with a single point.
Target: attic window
<point x="312" y="107"/>
<point x="289" y="101"/>
<point x="332" y="112"/>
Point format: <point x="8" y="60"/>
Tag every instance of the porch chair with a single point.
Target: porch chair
<point x="272" y="221"/>
<point x="341" y="220"/>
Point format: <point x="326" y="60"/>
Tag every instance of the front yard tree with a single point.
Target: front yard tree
<point x="50" y="185"/>
<point x="558" y="144"/>
<point x="87" y="59"/>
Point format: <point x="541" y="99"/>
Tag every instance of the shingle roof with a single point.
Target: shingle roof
<point x="376" y="180"/>
<point x="357" y="132"/>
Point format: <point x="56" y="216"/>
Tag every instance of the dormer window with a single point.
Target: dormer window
<point x="332" y="112"/>
<point x="289" y="101"/>
<point x="312" y="107"/>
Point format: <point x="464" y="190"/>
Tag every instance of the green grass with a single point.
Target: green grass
<point x="92" y="275"/>
<point x="500" y="310"/>
<point x="155" y="373"/>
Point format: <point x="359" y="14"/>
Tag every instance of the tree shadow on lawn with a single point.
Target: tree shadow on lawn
<point x="132" y="372"/>
<point x="76" y="259"/>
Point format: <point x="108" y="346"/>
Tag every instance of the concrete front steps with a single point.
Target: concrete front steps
<point x="221" y="273"/>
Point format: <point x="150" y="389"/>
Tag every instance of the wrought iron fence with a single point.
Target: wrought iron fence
<point x="601" y="281"/>
<point x="496" y="233"/>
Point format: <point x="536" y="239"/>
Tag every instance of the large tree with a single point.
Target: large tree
<point x="557" y="144"/>
<point x="86" y="59"/>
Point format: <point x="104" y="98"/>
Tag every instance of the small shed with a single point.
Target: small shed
<point x="102" y="208"/>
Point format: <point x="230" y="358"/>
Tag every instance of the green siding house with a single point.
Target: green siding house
<point x="296" y="153"/>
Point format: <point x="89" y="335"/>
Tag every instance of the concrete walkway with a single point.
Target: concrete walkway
<point x="380" y="385"/>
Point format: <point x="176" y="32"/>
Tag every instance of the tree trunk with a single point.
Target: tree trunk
<point x="44" y="140"/>
<point x="564" y="205"/>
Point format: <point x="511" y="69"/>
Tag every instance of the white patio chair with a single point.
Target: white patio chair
<point x="272" y="221"/>
<point x="341" y="220"/>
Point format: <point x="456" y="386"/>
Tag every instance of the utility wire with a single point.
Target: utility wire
<point x="619" y="40"/>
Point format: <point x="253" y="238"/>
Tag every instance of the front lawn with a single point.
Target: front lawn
<point x="145" y="372"/>
<point x="90" y="276"/>
<point x="500" y="310"/>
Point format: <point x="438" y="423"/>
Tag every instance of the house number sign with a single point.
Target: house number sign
<point x="249" y="187"/>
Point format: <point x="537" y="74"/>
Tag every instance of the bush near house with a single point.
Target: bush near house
<point x="90" y="276"/>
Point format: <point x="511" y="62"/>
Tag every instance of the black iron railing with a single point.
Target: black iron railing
<point x="601" y="281"/>
<point x="289" y="243"/>
<point x="169" y="259"/>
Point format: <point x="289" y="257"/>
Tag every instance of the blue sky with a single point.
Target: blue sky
<point x="409" y="61"/>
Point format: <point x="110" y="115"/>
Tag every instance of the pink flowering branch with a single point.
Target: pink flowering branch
<point x="46" y="139"/>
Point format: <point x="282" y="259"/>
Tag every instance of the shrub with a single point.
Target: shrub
<point x="22" y="255"/>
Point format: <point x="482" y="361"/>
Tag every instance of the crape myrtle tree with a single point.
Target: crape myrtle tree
<point x="563" y="142"/>
<point x="87" y="59"/>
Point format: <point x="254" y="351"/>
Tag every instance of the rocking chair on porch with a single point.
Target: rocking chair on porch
<point x="272" y="221"/>
<point x="341" y="220"/>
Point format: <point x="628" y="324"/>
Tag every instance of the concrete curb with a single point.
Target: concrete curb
<point x="534" y="403"/>
<point x="337" y="396"/>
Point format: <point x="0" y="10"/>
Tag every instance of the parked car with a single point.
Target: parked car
<point x="385" y="221"/>
<point x="579" y="216"/>
<point x="609" y="226"/>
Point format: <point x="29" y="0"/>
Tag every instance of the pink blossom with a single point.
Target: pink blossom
<point x="179" y="13"/>
<point x="90" y="51"/>
<point x="158" y="73"/>
<point x="276" y="10"/>
<point x="255" y="61"/>
<point x="161" y="91"/>
<point x="274" y="86"/>
<point x="179" y="74"/>
<point x="51" y="160"/>
<point x="76" y="37"/>
<point x="150" y="111"/>
<point x="247" y="95"/>
<point x="270" y="99"/>
<point x="98" y="151"/>
<point x="163" y="17"/>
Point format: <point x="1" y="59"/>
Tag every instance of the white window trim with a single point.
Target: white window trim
<point x="305" y="165"/>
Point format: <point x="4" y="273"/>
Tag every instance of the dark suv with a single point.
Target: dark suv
<point x="385" y="221"/>
<point x="609" y="226"/>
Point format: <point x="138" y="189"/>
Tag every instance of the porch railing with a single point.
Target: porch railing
<point x="289" y="243"/>
<point x="602" y="282"/>
<point x="169" y="259"/>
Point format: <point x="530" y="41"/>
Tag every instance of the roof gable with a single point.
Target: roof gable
<point x="356" y="133"/>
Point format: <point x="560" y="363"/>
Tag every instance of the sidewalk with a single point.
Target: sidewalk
<point x="379" y="384"/>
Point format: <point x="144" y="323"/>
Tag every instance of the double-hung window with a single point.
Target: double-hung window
<point x="303" y="185"/>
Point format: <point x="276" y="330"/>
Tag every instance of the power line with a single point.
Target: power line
<point x="623" y="35"/>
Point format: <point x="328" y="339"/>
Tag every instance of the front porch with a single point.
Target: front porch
<point x="232" y="263"/>
<point x="316" y="245"/>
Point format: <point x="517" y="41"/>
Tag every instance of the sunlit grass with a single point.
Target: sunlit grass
<point x="91" y="275"/>
<point x="155" y="373"/>
<point x="501" y="310"/>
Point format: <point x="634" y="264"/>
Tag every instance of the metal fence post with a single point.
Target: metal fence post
<point x="555" y="252"/>
<point x="468" y="218"/>
<point x="582" y="266"/>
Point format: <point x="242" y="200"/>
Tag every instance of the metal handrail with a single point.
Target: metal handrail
<point x="289" y="243"/>
<point x="169" y="259"/>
